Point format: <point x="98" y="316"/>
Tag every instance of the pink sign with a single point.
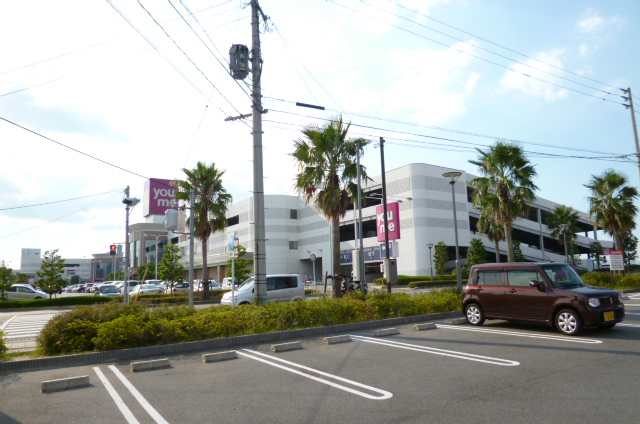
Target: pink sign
<point x="393" y="219"/>
<point x="158" y="196"/>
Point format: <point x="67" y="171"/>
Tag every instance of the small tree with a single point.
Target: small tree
<point x="6" y="278"/>
<point x="50" y="272"/>
<point x="22" y="278"/>
<point x="170" y="269"/>
<point x="242" y="271"/>
<point x="597" y="250"/>
<point x="147" y="271"/>
<point x="630" y="248"/>
<point x="441" y="257"/>
<point x="517" y="252"/>
<point x="477" y="253"/>
<point x="118" y="276"/>
<point x="576" y="260"/>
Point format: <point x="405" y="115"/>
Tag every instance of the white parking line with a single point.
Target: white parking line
<point x="629" y="325"/>
<point x="514" y="333"/>
<point x="136" y="394"/>
<point x="383" y="393"/>
<point x="128" y="415"/>
<point x="632" y="304"/>
<point x="451" y="353"/>
<point x="632" y="313"/>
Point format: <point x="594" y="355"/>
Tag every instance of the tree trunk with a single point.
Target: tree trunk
<point x="335" y="242"/>
<point x="511" y="257"/>
<point x="497" y="242"/>
<point x="205" y="271"/>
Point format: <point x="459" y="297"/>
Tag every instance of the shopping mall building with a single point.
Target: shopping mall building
<point x="420" y="208"/>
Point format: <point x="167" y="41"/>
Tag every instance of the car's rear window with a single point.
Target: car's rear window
<point x="489" y="278"/>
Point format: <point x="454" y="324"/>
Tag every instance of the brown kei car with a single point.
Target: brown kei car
<point x="552" y="293"/>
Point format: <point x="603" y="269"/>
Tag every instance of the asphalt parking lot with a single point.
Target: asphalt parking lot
<point x="498" y="373"/>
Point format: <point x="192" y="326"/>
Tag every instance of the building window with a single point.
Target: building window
<point x="234" y="220"/>
<point x="293" y="245"/>
<point x="293" y="213"/>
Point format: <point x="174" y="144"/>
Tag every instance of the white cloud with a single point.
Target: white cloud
<point x="524" y="80"/>
<point x="596" y="30"/>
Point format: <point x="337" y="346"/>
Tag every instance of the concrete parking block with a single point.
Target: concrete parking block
<point x="422" y="327"/>
<point x="337" y="339"/>
<point x="64" y="384"/>
<point x="458" y="321"/>
<point x="219" y="356"/>
<point x="283" y="347"/>
<point x="386" y="332"/>
<point x="150" y="365"/>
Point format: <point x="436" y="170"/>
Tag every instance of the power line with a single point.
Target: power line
<point x="478" y="57"/>
<point x="56" y="219"/>
<point x="502" y="46"/>
<point x="448" y="130"/>
<point x="187" y="56"/>
<point x="59" y="201"/>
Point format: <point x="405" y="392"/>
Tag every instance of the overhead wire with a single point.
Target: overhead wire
<point x="476" y="56"/>
<point x="501" y="46"/>
<point x="59" y="201"/>
<point x="187" y="56"/>
<point x="57" y="219"/>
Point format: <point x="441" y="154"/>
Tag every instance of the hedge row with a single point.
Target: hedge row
<point x="435" y="283"/>
<point x="603" y="279"/>
<point x="404" y="280"/>
<point x="58" y="301"/>
<point x="117" y="326"/>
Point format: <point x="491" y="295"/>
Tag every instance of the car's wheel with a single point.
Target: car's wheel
<point x="37" y="297"/>
<point x="473" y="313"/>
<point x="569" y="322"/>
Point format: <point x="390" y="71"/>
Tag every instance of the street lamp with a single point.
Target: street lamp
<point x="131" y="202"/>
<point x="430" y="245"/>
<point x="564" y="228"/>
<point x="156" y="248"/>
<point x="453" y="177"/>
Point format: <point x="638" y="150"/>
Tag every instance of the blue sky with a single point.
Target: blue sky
<point x="79" y="74"/>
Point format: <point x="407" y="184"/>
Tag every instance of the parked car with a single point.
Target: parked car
<point x="108" y="290"/>
<point x="145" y="288"/>
<point x="130" y="284"/>
<point x="181" y="287"/>
<point x="280" y="288"/>
<point x="69" y="289"/>
<point x="24" y="291"/>
<point x="78" y="289"/>
<point x="552" y="293"/>
<point x="226" y="283"/>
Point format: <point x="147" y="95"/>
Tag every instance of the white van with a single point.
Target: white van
<point x="280" y="288"/>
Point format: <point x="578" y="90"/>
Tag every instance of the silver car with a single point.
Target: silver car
<point x="24" y="291"/>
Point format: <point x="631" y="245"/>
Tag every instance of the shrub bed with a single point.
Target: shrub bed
<point x="434" y="283"/>
<point x="58" y="301"/>
<point x="404" y="280"/>
<point x="603" y="279"/>
<point x="117" y="326"/>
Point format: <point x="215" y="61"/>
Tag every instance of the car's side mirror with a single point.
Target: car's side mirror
<point x="535" y="283"/>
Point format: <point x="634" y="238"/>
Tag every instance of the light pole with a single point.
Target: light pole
<point x="430" y="245"/>
<point x="453" y="177"/>
<point x="156" y="248"/>
<point x="131" y="202"/>
<point x="564" y="228"/>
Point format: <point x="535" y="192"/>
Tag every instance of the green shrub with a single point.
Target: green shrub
<point x="59" y="301"/>
<point x="434" y="283"/>
<point x="3" y="347"/>
<point x="118" y="326"/>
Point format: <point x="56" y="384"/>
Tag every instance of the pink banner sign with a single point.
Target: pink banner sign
<point x="393" y="220"/>
<point x="158" y="196"/>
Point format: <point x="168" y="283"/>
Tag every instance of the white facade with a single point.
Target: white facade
<point x="294" y="230"/>
<point x="31" y="261"/>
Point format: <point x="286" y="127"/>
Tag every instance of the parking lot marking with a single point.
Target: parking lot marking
<point x="124" y="409"/>
<point x="629" y="325"/>
<point x="136" y="394"/>
<point x="451" y="353"/>
<point x="632" y="313"/>
<point x="383" y="393"/>
<point x="515" y="333"/>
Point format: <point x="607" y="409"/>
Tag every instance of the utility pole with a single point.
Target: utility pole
<point x="126" y="249"/>
<point x="629" y="98"/>
<point x="259" y="259"/>
<point x="387" y="259"/>
<point x="192" y="237"/>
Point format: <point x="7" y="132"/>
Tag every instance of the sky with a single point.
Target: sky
<point x="96" y="96"/>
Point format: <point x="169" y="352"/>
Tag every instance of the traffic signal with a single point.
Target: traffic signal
<point x="113" y="249"/>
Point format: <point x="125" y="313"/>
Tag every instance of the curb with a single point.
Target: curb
<point x="202" y="345"/>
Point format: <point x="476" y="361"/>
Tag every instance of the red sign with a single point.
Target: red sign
<point x="159" y="196"/>
<point x="393" y="219"/>
<point x="609" y="252"/>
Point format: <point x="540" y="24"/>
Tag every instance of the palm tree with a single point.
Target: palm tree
<point x="210" y="208"/>
<point x="494" y="232"/>
<point x="562" y="223"/>
<point x="505" y="187"/>
<point x="611" y="205"/>
<point x="326" y="159"/>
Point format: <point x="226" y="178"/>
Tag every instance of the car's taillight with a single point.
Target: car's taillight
<point x="141" y="292"/>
